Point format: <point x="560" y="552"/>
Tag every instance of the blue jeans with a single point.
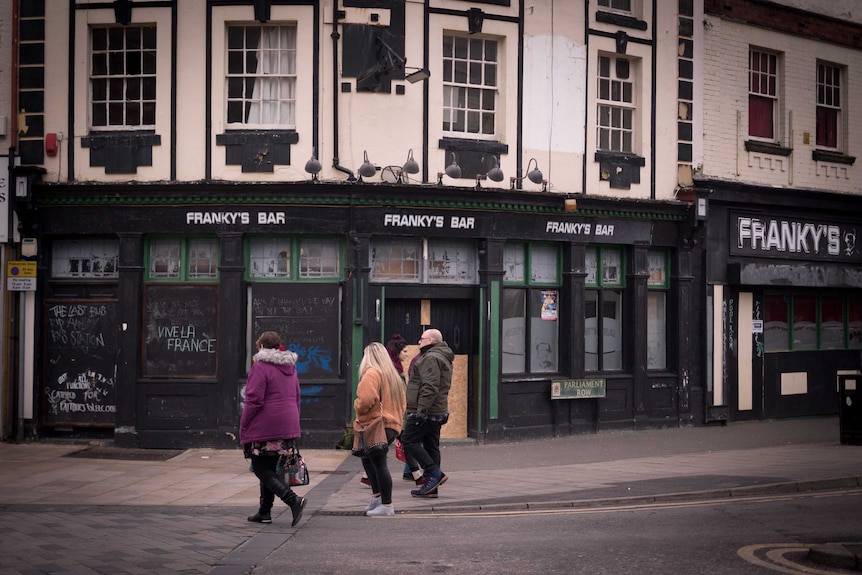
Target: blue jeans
<point x="422" y="443"/>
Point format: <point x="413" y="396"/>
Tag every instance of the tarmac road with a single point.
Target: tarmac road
<point x="61" y="512"/>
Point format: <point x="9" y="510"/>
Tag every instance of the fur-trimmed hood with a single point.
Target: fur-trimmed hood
<point x="276" y="356"/>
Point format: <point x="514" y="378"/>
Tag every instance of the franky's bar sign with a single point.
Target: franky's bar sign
<point x="787" y="238"/>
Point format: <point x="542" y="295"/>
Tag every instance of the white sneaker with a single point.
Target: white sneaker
<point x="381" y="511"/>
<point x="373" y="503"/>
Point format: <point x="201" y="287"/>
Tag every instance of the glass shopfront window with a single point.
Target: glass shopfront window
<point x="530" y="316"/>
<point x="603" y="313"/>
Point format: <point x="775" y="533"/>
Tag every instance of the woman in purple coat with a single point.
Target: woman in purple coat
<point x="270" y="423"/>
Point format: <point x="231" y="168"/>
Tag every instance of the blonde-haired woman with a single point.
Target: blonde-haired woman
<point x="379" y="383"/>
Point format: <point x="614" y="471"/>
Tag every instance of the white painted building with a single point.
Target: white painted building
<point x="214" y="167"/>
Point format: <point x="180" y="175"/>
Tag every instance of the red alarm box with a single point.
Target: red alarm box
<point x="51" y="144"/>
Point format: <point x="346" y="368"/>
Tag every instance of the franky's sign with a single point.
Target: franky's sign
<point x="794" y="239"/>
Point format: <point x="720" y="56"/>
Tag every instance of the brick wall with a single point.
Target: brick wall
<point x="727" y="45"/>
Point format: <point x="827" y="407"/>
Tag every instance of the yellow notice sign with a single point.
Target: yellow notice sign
<point x="21" y="276"/>
<point x="21" y="269"/>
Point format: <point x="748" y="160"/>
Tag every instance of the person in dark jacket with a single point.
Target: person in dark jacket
<point x="428" y="384"/>
<point x="269" y="425"/>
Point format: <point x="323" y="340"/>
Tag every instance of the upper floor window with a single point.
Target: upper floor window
<point x="85" y="259"/>
<point x="828" y="105"/>
<point x="470" y="80"/>
<point x="762" y="94"/>
<point x="616" y="105"/>
<point x="620" y="5"/>
<point x="183" y="259"/>
<point x="123" y="77"/>
<point x="261" y="76"/>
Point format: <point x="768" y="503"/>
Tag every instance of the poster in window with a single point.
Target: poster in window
<point x="549" y="305"/>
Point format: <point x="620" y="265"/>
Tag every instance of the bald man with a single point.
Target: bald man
<point x="428" y="384"/>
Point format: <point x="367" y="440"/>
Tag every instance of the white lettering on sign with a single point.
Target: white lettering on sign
<point x="217" y="218"/>
<point x="459" y="223"/>
<point x="788" y="236"/>
<point x="413" y="221"/>
<point x="572" y="228"/>
<point x="604" y="230"/>
<point x="270" y="218"/>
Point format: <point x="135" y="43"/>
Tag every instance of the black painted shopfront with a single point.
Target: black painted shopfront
<point x="150" y="297"/>
<point x="785" y="272"/>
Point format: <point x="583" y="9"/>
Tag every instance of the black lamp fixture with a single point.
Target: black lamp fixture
<point x="313" y="166"/>
<point x="495" y="174"/>
<point x="367" y="169"/>
<point x="535" y="175"/>
<point x="453" y="170"/>
<point x="410" y="166"/>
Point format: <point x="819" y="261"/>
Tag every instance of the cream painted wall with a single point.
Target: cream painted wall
<point x="555" y="64"/>
<point x="507" y="102"/>
<point x="726" y="109"/>
<point x="558" y="95"/>
<point x="193" y="100"/>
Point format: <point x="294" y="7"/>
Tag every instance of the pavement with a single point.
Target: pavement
<point x="95" y="508"/>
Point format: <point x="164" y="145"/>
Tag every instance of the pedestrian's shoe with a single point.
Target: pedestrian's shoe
<point x="407" y="477"/>
<point x="260" y="518"/>
<point x="421" y="480"/>
<point x="430" y="495"/>
<point x="433" y="482"/>
<point x="296" y="508"/>
<point x="381" y="511"/>
<point x="365" y="481"/>
<point x="374" y="502"/>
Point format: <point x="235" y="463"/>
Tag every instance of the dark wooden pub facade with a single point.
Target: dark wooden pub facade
<point x="156" y="356"/>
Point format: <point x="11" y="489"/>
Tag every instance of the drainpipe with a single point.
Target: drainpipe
<point x="335" y="37"/>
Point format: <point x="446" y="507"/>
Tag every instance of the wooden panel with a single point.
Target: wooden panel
<point x="457" y="426"/>
<point x="81" y="362"/>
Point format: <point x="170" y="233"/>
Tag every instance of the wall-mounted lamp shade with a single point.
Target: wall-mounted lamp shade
<point x="418" y="75"/>
<point x="367" y="169"/>
<point x="313" y="166"/>
<point x="534" y="175"/>
<point x="410" y="166"/>
<point x="453" y="170"/>
<point x="495" y="174"/>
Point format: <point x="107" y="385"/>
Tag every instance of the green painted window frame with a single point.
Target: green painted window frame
<point x="184" y="248"/>
<point x="600" y="282"/>
<point x="295" y="257"/>
<point x="665" y="284"/>
<point x="527" y="253"/>
<point x="791" y="296"/>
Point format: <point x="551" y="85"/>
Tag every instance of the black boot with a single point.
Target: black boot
<point x="291" y="499"/>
